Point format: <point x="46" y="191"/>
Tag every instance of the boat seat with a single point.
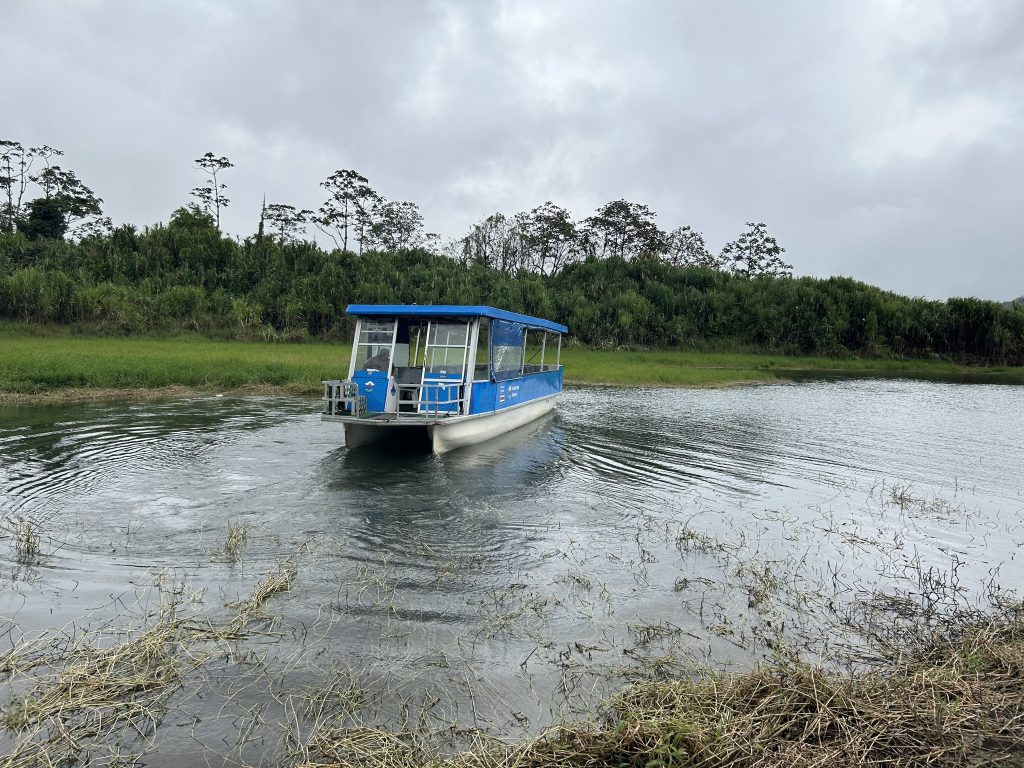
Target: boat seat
<point x="408" y="375"/>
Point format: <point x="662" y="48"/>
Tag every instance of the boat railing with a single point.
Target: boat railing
<point x="342" y="398"/>
<point x="432" y="398"/>
<point x="436" y="398"/>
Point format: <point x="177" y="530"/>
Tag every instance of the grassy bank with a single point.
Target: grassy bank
<point x="64" y="366"/>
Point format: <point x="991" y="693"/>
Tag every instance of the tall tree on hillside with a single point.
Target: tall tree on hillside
<point x="349" y="206"/>
<point x="45" y="219"/>
<point x="756" y="254"/>
<point x="550" y="236"/>
<point x="685" y="247"/>
<point x="16" y="165"/>
<point x="496" y="242"/>
<point x="64" y="200"/>
<point x="72" y="198"/>
<point x="211" y="195"/>
<point x="286" y="220"/>
<point x="396" y="225"/>
<point x="624" y="229"/>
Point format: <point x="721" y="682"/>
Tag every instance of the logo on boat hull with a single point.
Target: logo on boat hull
<point x="509" y="392"/>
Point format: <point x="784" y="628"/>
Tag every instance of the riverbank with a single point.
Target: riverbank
<point x="56" y="367"/>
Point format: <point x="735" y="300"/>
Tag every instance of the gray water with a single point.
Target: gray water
<point x="634" y="533"/>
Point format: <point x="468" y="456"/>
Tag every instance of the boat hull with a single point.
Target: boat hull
<point x="449" y="434"/>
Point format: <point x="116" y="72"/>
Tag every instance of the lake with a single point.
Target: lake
<point x="633" y="533"/>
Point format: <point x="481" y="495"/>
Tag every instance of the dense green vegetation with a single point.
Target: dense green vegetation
<point x="615" y="278"/>
<point x="186" y="276"/>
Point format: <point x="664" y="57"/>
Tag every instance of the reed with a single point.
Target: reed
<point x="26" y="541"/>
<point x="235" y="541"/>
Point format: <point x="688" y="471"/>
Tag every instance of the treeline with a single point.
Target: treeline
<point x="185" y="274"/>
<point x="43" y="201"/>
<point x="614" y="277"/>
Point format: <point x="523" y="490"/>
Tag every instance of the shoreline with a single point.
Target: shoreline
<point x="55" y="369"/>
<point x="75" y="395"/>
<point x="168" y="392"/>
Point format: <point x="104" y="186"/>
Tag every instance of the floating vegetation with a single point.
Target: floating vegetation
<point x="75" y="696"/>
<point x="955" y="700"/>
<point x="235" y="541"/>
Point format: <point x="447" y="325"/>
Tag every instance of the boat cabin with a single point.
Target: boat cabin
<point x="427" y="364"/>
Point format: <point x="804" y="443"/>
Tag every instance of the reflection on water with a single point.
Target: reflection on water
<point x="623" y="509"/>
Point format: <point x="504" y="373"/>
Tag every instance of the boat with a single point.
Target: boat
<point x="441" y="377"/>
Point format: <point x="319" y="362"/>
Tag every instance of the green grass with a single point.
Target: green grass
<point x="695" y="369"/>
<point x="33" y="363"/>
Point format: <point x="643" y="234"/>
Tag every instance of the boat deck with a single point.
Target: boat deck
<point x="406" y="419"/>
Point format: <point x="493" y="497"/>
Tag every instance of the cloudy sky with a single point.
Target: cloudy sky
<point x="883" y="140"/>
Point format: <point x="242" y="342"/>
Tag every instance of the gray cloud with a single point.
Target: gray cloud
<point x="880" y="140"/>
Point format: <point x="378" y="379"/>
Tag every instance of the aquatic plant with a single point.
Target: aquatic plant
<point x="85" y="693"/>
<point x="26" y="541"/>
<point x="235" y="542"/>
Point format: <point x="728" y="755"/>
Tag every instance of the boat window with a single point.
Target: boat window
<point x="506" y="349"/>
<point x="402" y="350"/>
<point x="373" y="347"/>
<point x="533" y="358"/>
<point x="482" y="369"/>
<point x="446" y="348"/>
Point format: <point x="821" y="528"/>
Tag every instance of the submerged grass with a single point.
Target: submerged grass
<point x="25" y="534"/>
<point x="953" y="699"/>
<point x="80" y="696"/>
<point x="58" y="365"/>
<point x="235" y="542"/>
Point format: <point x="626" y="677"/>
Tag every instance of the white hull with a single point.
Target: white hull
<point x="449" y="435"/>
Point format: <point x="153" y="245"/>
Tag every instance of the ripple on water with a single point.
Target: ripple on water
<point x="567" y="527"/>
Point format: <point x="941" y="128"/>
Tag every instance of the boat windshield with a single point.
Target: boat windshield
<point x="446" y="348"/>
<point x="373" y="347"/>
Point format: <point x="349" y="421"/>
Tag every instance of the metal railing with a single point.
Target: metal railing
<point x="434" y="406"/>
<point x="342" y="398"/>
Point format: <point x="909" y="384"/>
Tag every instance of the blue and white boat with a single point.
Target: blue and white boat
<point x="444" y="376"/>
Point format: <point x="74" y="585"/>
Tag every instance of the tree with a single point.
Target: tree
<point x="756" y="254"/>
<point x="75" y="200"/>
<point x="211" y="196"/>
<point x="550" y="235"/>
<point x="285" y="219"/>
<point x="16" y="164"/>
<point x="396" y="225"/>
<point x="496" y="242"/>
<point x="45" y="219"/>
<point x="623" y="229"/>
<point x="350" y="205"/>
<point x="685" y="247"/>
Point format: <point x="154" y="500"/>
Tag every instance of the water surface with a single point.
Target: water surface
<point x="518" y="581"/>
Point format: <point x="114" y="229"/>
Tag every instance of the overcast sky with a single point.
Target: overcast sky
<point x="879" y="140"/>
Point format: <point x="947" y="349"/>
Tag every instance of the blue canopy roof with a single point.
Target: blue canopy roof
<point x="451" y="310"/>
